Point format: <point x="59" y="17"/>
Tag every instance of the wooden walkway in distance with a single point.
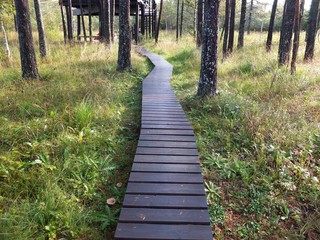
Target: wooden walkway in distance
<point x="165" y="197"/>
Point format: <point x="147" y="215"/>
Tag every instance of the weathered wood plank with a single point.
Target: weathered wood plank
<point x="166" y="159"/>
<point x="173" y="127"/>
<point x="167" y="144"/>
<point x="165" y="177"/>
<point x="178" y="138"/>
<point x="126" y="231"/>
<point x="167" y="132"/>
<point x="167" y="151"/>
<point x="166" y="189"/>
<point x="165" y="216"/>
<point x="175" y="168"/>
<point x="164" y="201"/>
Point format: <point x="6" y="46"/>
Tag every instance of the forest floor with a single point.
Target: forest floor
<point x="259" y="138"/>
<point x="67" y="140"/>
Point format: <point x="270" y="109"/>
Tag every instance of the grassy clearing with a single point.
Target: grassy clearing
<point x="259" y="139"/>
<point x="66" y="142"/>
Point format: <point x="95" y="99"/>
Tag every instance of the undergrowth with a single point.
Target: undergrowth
<point x="66" y="142"/>
<point x="259" y="139"/>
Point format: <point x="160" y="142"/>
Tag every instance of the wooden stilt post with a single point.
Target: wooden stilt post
<point x="137" y="25"/>
<point x="142" y="19"/>
<point x="83" y="23"/>
<point x="90" y="19"/>
<point x="63" y="24"/>
<point x="69" y="16"/>
<point x="112" y="16"/>
<point x="150" y="14"/>
<point x="78" y="27"/>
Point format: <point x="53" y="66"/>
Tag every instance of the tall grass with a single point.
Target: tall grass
<point x="66" y="142"/>
<point x="258" y="138"/>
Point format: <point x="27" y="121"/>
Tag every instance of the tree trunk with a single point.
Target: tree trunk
<point x="181" y="22"/>
<point x="200" y="23"/>
<point x="42" y="39"/>
<point x="231" y="30"/>
<point x="150" y="20"/>
<point x="286" y="33"/>
<point x="226" y="29"/>
<point x="112" y="16"/>
<point x="158" y="27"/>
<point x="250" y="17"/>
<point x="63" y="25"/>
<point x="209" y="59"/>
<point x="105" y="21"/>
<point x="195" y="19"/>
<point x="312" y="30"/>
<point x="27" y="54"/>
<point x="124" y="52"/>
<point x="271" y="25"/>
<point x="177" y="22"/>
<point x="242" y="23"/>
<point x="297" y="21"/>
<point x="154" y="17"/>
<point x="5" y="40"/>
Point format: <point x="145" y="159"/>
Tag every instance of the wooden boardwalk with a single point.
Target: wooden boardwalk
<point x="165" y="197"/>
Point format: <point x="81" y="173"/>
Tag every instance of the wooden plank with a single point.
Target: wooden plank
<point x="127" y="231"/>
<point x="164" y="216"/>
<point x="163" y="201"/>
<point x="180" y="138"/>
<point x="166" y="189"/>
<point x="167" y="144"/>
<point x="165" y="177"/>
<point x="174" y="127"/>
<point x="164" y="119"/>
<point x="166" y="159"/>
<point x="167" y="132"/>
<point x="167" y="151"/>
<point x="157" y="168"/>
<point x="157" y="122"/>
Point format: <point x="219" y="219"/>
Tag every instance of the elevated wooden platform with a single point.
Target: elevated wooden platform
<point x="165" y="197"/>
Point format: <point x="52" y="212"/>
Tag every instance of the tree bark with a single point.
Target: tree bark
<point x="124" y="52"/>
<point x="195" y="19"/>
<point x="177" y="22"/>
<point x="200" y="23"/>
<point x="112" y="16"/>
<point x="226" y="29"/>
<point x="271" y="25"/>
<point x="297" y="21"/>
<point x="42" y="39"/>
<point x="250" y="17"/>
<point x="105" y="21"/>
<point x="312" y="30"/>
<point x="209" y="58"/>
<point x="158" y="27"/>
<point x="27" y="53"/>
<point x="242" y="23"/>
<point x="231" y="30"/>
<point x="181" y="21"/>
<point x="286" y="33"/>
<point x="5" y="40"/>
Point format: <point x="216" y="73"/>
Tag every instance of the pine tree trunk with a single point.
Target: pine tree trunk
<point x="296" y="39"/>
<point x="5" y="40"/>
<point x="181" y="22"/>
<point x="312" y="30"/>
<point x="124" y="52"/>
<point x="226" y="29"/>
<point x="195" y="19"/>
<point x="209" y="58"/>
<point x="271" y="25"/>
<point x="242" y="23"/>
<point x="286" y="33"/>
<point x="112" y="16"/>
<point x="158" y="26"/>
<point x="42" y="39"/>
<point x="27" y="53"/>
<point x="231" y="30"/>
<point x="105" y="21"/>
<point x="199" y="23"/>
<point x="250" y="17"/>
<point x="177" y="22"/>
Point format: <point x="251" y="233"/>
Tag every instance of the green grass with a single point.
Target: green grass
<point x="66" y="142"/>
<point x="258" y="138"/>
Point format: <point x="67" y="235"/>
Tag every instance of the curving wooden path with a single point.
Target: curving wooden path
<point x="165" y="197"/>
